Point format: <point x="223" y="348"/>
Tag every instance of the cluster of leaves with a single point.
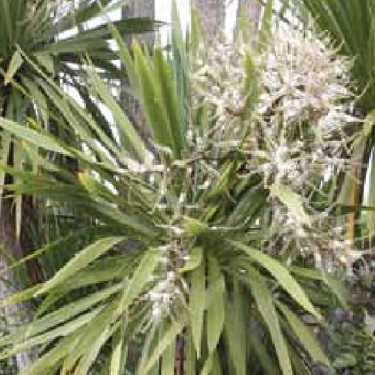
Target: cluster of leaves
<point x="348" y="338"/>
<point x="350" y="25"/>
<point x="7" y="368"/>
<point x="54" y="35"/>
<point x="175" y="253"/>
<point x="177" y="219"/>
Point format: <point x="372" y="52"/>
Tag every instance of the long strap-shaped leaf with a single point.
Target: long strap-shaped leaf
<point x="266" y="307"/>
<point x="80" y="261"/>
<point x="281" y="274"/>
<point x="36" y="138"/>
<point x="165" y="129"/>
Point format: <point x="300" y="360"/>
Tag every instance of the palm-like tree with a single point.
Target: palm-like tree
<point x="42" y="33"/>
<point x="170" y="254"/>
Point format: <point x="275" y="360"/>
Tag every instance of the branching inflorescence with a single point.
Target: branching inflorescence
<point x="288" y="126"/>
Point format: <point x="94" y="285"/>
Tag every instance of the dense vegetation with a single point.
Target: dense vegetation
<point x="230" y="235"/>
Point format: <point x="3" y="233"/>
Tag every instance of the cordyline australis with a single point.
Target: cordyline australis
<point x="294" y="138"/>
<point x="209" y="205"/>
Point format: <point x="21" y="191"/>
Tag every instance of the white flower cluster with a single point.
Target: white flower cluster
<point x="300" y="135"/>
<point x="218" y="78"/>
<point x="305" y="77"/>
<point x="296" y="135"/>
<point x="293" y="135"/>
<point x="169" y="285"/>
<point x="301" y="115"/>
<point x="322" y="238"/>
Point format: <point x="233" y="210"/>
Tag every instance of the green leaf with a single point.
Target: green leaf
<point x="49" y="362"/>
<point x="21" y="296"/>
<point x="266" y="307"/>
<point x="235" y="328"/>
<point x="153" y="102"/>
<point x="46" y="61"/>
<point x="166" y="83"/>
<point x="370" y="185"/>
<point x="140" y="278"/>
<point x="266" y="24"/>
<point x="168" y="360"/>
<point x="13" y="67"/>
<point x="266" y="359"/>
<point x="80" y="261"/>
<point x="206" y="370"/>
<point x="292" y="201"/>
<point x="193" y="227"/>
<point x="127" y="130"/>
<point x="369" y="123"/>
<point x="189" y="354"/>
<point x="281" y="274"/>
<point x="36" y="138"/>
<point x="197" y="302"/>
<point x="117" y="357"/>
<point x="335" y="284"/>
<point x="167" y="339"/>
<point x="6" y="141"/>
<point x="50" y="335"/>
<point x="216" y="365"/>
<point x="305" y="337"/>
<point x="59" y="316"/>
<point x="216" y="304"/>
<point x="194" y="259"/>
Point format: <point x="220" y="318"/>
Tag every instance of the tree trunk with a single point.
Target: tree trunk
<point x="13" y="248"/>
<point x="212" y="17"/>
<point x="139" y="8"/>
<point x="249" y="11"/>
<point x="18" y="314"/>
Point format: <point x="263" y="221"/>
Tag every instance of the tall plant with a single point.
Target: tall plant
<point x="197" y="231"/>
<point x="44" y="31"/>
<point x="53" y="35"/>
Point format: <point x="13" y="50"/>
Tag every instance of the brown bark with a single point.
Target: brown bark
<point x="251" y="10"/>
<point x="12" y="248"/>
<point x="211" y="14"/>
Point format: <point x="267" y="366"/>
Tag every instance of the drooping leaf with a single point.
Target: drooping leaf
<point x="80" y="261"/>
<point x="305" y="336"/>
<point x="197" y="300"/>
<point x="168" y="338"/>
<point x="216" y="304"/>
<point x="266" y="307"/>
<point x="281" y="274"/>
<point x="292" y="201"/>
<point x="36" y="138"/>
<point x="15" y="64"/>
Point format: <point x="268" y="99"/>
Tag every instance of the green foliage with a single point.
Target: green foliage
<point x="350" y="24"/>
<point x="350" y="27"/>
<point x="168" y="257"/>
<point x="52" y="36"/>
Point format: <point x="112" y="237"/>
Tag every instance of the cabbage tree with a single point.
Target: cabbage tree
<point x="210" y="241"/>
<point x="54" y="36"/>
